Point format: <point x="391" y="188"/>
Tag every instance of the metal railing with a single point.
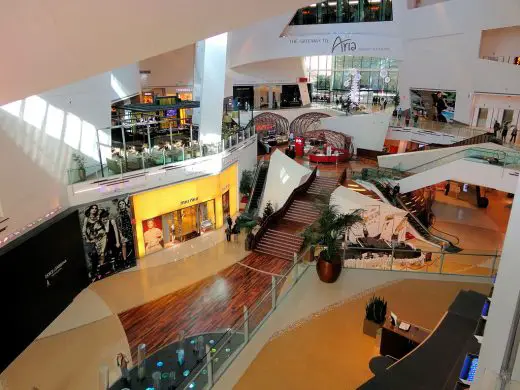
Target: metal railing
<point x="514" y="60"/>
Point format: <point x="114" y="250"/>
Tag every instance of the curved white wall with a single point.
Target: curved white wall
<point x="438" y="45"/>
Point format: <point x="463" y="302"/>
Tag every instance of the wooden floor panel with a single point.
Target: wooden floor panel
<point x="273" y="265"/>
<point x="212" y="304"/>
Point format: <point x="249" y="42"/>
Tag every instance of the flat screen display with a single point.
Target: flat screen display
<point x="170" y="113"/>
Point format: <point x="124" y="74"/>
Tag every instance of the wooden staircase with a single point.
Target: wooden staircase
<point x="302" y="212"/>
<point x="279" y="244"/>
<point x="323" y="185"/>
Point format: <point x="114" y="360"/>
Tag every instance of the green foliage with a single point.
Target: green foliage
<point x="246" y="221"/>
<point x="79" y="160"/>
<point x="329" y="227"/>
<point x="268" y="210"/>
<point x="375" y="310"/>
<point x="246" y="182"/>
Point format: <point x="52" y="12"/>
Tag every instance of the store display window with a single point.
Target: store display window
<point x="178" y="226"/>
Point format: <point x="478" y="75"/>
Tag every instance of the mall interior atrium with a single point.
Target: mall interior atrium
<point x="260" y="195"/>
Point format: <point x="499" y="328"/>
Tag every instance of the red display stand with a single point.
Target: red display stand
<point x="299" y="144"/>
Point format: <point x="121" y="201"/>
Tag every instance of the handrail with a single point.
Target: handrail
<point x="409" y="170"/>
<point x="275" y="217"/>
<point x="263" y="189"/>
<point x="448" y="242"/>
<point x="255" y="179"/>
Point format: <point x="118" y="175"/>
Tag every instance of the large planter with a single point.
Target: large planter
<point x="328" y="272"/>
<point x="370" y="328"/>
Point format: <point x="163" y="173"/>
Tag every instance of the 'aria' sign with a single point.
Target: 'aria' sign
<point x="344" y="45"/>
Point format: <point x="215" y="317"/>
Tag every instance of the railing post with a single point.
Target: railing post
<point x="210" y="366"/>
<point x="103" y="378"/>
<point x="392" y="256"/>
<point x="273" y="292"/>
<point x="246" y="325"/>
<point x="295" y="264"/>
<point x="442" y="259"/>
<point x="141" y="366"/>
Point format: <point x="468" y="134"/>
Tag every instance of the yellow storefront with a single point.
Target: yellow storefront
<point x="171" y="215"/>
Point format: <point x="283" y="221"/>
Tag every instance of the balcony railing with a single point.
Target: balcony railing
<point x="506" y="59"/>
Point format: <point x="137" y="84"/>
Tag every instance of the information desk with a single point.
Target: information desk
<point x="323" y="158"/>
<point x="398" y="343"/>
<point x="436" y="363"/>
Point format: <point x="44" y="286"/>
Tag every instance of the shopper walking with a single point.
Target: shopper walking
<point x="514" y="130"/>
<point x="229" y="221"/>
<point x="504" y="131"/>
<point x="399" y="114"/>
<point x="384" y="104"/>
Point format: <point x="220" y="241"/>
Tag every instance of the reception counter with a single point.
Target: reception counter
<point x="436" y="363"/>
<point x="323" y="158"/>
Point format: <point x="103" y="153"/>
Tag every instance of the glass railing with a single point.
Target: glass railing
<point x="468" y="263"/>
<point x="514" y="60"/>
<point x="453" y="129"/>
<point x="205" y="361"/>
<point x="121" y="158"/>
<point x="344" y="11"/>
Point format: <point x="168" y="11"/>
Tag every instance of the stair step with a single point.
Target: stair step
<point x="286" y="241"/>
<point x="302" y="221"/>
<point x="294" y="247"/>
<point x="274" y="254"/>
<point x="283" y="233"/>
<point x="278" y="248"/>
<point x="301" y="214"/>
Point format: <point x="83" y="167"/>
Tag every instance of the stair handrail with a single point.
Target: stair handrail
<point x="278" y="215"/>
<point x="253" y="186"/>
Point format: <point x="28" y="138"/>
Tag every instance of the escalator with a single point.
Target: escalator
<point x="258" y="187"/>
<point x="419" y="218"/>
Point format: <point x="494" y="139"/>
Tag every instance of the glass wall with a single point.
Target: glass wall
<point x="335" y="77"/>
<point x="344" y="11"/>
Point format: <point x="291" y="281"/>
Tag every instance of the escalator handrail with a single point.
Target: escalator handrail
<point x="417" y="220"/>
<point x="463" y="152"/>
<point x="253" y="187"/>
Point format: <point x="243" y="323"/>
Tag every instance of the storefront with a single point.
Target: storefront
<point x="169" y="216"/>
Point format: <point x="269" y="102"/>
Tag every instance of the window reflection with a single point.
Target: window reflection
<point x="331" y="77"/>
<point x="344" y="11"/>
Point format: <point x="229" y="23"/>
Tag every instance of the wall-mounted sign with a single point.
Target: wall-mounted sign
<point x="302" y="80"/>
<point x="264" y="127"/>
<point x="343" y="45"/>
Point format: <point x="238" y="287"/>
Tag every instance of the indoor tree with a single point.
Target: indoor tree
<point x="246" y="182"/>
<point x="326" y="232"/>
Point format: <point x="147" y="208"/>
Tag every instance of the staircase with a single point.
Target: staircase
<point x="279" y="244"/>
<point x="258" y="190"/>
<point x="323" y="185"/>
<point x="302" y="212"/>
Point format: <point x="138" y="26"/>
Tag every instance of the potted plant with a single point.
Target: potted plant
<point x="246" y="184"/>
<point x="80" y="163"/>
<point x="375" y="314"/>
<point x="268" y="210"/>
<point x="326" y="232"/>
<point x="248" y="222"/>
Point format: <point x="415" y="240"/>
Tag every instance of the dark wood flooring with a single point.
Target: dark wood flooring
<point x="212" y="304"/>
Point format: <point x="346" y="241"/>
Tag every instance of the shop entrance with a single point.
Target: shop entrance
<point x="181" y="225"/>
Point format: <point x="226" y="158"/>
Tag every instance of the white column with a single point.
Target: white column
<point x="402" y="147"/>
<point x="209" y="86"/>
<point x="270" y="97"/>
<point x="503" y="305"/>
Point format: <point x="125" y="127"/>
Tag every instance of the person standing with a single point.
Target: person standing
<point x="457" y="191"/>
<point x="228" y="233"/>
<point x="229" y="221"/>
<point x="399" y="114"/>
<point x="384" y="103"/>
<point x="447" y="188"/>
<point x="514" y="130"/>
<point x="496" y="128"/>
<point x="504" y="131"/>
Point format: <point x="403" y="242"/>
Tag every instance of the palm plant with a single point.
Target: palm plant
<point x="329" y="228"/>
